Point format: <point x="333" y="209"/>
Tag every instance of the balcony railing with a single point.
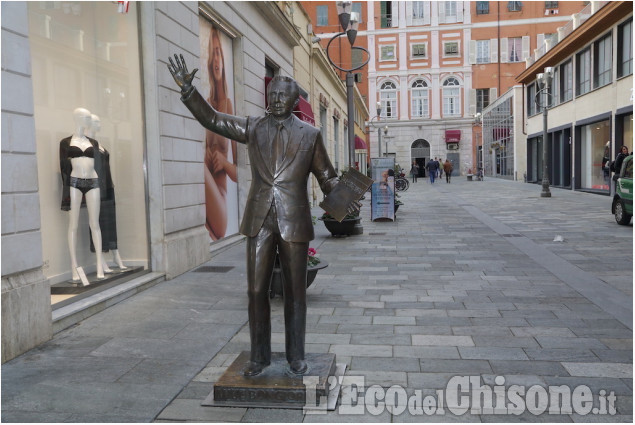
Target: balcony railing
<point x="577" y="19"/>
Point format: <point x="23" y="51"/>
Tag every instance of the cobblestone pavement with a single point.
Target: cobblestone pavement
<point x="468" y="281"/>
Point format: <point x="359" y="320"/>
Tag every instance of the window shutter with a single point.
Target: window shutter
<point x="493" y="50"/>
<point x="426" y="13"/>
<point x="382" y="11"/>
<point x="525" y="42"/>
<point x="504" y="43"/>
<point x="441" y="6"/>
<point x="395" y="14"/>
<point x="540" y="39"/>
<point x="409" y="13"/>
<point x="459" y="11"/>
<point x="493" y="94"/>
<point x="472" y="55"/>
<point x="472" y="109"/>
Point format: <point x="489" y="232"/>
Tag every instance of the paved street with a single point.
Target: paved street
<point x="468" y="281"/>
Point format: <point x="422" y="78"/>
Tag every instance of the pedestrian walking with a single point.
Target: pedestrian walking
<point x="414" y="171"/>
<point x="432" y="166"/>
<point x="447" y="167"/>
<point x="440" y="174"/>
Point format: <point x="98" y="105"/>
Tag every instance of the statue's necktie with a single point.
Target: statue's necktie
<point x="277" y="148"/>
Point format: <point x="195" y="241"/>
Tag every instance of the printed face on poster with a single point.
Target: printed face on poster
<point x="217" y="86"/>
<point x="383" y="189"/>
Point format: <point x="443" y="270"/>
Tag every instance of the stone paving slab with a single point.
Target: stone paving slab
<point x="415" y="302"/>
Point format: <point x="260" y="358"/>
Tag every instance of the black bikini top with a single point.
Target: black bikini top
<point x="76" y="152"/>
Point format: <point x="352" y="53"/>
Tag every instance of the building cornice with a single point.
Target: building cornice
<point x="606" y="17"/>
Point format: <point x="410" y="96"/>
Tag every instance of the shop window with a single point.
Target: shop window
<point x="322" y="15"/>
<point x="625" y="49"/>
<point x="482" y="7"/>
<point x="86" y="68"/>
<point x="514" y="6"/>
<point x="602" y="61"/>
<point x="583" y="72"/>
<point x="482" y="99"/>
<point x="566" y="81"/>
<point x="593" y="148"/>
<point x="388" y="96"/>
<point x="419" y="95"/>
<point x="482" y="51"/>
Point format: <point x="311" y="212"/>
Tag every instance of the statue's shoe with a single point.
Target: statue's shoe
<point x="298" y="367"/>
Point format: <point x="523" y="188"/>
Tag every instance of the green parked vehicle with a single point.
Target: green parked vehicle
<point x="622" y="205"/>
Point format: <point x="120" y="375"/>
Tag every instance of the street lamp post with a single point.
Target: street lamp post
<point x="350" y="22"/>
<point x="544" y="81"/>
<point x="378" y="117"/>
<point x="386" y="140"/>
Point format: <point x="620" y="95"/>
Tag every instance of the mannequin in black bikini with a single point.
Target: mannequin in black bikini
<point x="83" y="181"/>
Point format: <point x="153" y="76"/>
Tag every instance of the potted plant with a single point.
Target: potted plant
<point x="314" y="264"/>
<point x="397" y="202"/>
<point x="347" y="227"/>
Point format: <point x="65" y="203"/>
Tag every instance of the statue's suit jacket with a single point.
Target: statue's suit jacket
<point x="286" y="187"/>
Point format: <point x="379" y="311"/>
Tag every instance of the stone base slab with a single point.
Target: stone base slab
<point x="277" y="386"/>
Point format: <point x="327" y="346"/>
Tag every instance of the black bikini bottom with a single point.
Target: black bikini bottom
<point x="84" y="185"/>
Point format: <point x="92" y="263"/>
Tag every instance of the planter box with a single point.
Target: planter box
<point x="348" y="226"/>
<point x="277" y="279"/>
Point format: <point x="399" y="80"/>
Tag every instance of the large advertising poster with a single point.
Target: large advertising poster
<point x="383" y="189"/>
<point x="217" y="86"/>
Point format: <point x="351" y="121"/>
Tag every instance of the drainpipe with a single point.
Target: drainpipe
<point x="498" y="45"/>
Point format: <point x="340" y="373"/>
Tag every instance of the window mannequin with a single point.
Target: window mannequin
<point x="78" y="158"/>
<point x="107" y="213"/>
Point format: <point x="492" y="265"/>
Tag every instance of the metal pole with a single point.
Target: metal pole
<point x="379" y="141"/>
<point x="351" y="118"/>
<point x="545" y="177"/>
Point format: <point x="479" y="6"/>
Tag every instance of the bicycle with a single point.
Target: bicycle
<point x="401" y="184"/>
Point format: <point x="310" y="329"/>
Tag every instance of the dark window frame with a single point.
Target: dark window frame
<point x="601" y="79"/>
<point x="565" y="89"/>
<point x="482" y="8"/>
<point x="551" y="5"/>
<point x="583" y="86"/>
<point x="624" y="67"/>
<point x="482" y="99"/>
<point x="319" y="17"/>
<point x="514" y="6"/>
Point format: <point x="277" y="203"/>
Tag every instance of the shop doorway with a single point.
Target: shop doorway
<point x="420" y="153"/>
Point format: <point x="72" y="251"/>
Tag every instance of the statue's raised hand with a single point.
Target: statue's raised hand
<point x="179" y="72"/>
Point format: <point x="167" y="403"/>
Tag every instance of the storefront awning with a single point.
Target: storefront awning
<point x="452" y="136"/>
<point x="304" y="111"/>
<point x="360" y="144"/>
<point x="500" y="133"/>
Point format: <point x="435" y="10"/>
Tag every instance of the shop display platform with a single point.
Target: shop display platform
<point x="73" y="288"/>
<point x="277" y="386"/>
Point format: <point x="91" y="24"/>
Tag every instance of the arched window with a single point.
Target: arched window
<point x="451" y="97"/>
<point x="388" y="97"/>
<point x="419" y="95"/>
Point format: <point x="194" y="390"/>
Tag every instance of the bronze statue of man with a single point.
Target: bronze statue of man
<point x="283" y="151"/>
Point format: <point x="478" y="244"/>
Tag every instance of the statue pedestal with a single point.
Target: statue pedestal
<point x="278" y="387"/>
